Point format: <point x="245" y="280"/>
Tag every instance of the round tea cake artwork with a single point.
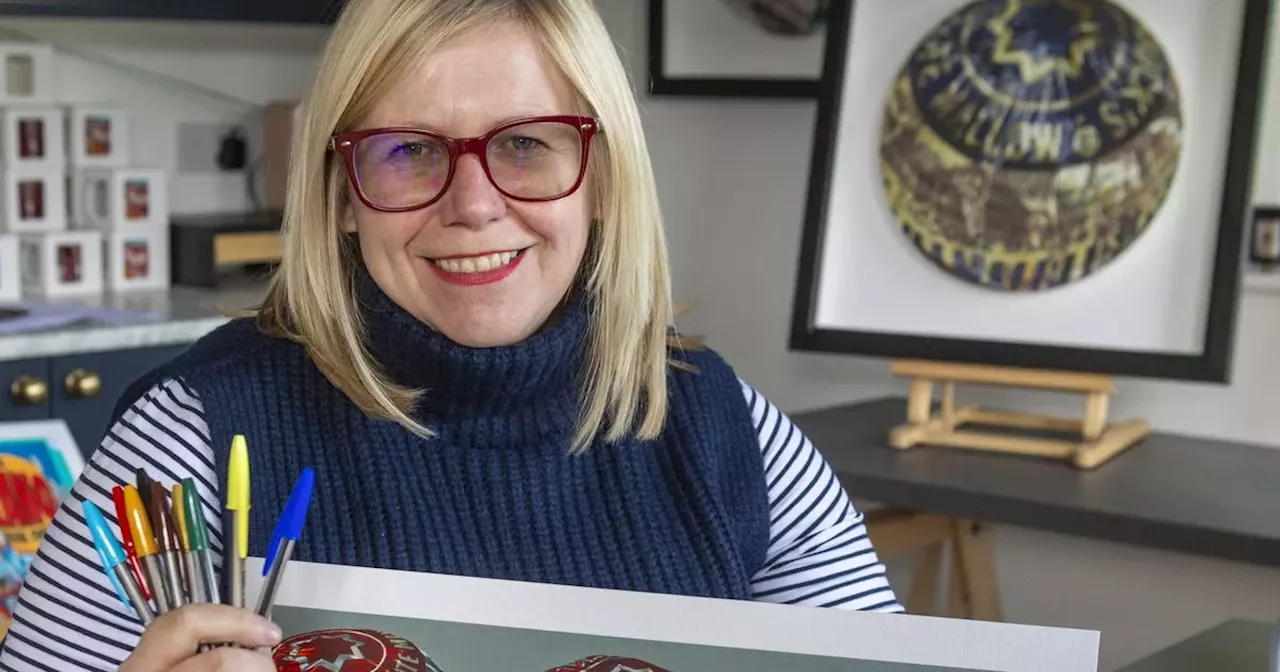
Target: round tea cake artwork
<point x="794" y="18"/>
<point x="1027" y="143"/>
<point x="601" y="663"/>
<point x="353" y="650"/>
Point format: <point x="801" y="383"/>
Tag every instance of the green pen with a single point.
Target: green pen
<point x="198" y="538"/>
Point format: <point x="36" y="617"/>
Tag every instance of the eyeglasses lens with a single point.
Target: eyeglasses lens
<point x="538" y="160"/>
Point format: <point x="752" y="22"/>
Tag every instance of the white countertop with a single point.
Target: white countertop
<point x="183" y="315"/>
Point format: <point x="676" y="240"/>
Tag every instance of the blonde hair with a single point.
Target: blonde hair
<point x="372" y="46"/>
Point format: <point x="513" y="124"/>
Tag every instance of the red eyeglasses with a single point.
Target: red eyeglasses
<point x="531" y="159"/>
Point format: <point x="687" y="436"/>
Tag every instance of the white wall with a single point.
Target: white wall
<point x="734" y="240"/>
<point x="252" y="65"/>
<point x="733" y="175"/>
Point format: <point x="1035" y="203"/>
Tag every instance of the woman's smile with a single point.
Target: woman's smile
<point x="480" y="269"/>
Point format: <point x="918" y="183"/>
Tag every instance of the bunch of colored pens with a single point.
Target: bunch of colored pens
<point x="167" y="560"/>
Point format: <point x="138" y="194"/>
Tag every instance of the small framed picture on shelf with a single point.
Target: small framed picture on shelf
<point x="1264" y="239"/>
<point x="26" y="73"/>
<point x="33" y="200"/>
<point x="106" y="198"/>
<point x="10" y="269"/>
<point x="98" y="136"/>
<point x="137" y="257"/>
<point x="31" y="137"/>
<point x="63" y="263"/>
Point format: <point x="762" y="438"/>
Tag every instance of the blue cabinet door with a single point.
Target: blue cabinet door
<point x="26" y="390"/>
<point x="86" y="387"/>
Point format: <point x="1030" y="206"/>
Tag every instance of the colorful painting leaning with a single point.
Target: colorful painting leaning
<point x="39" y="463"/>
<point x="1027" y="143"/>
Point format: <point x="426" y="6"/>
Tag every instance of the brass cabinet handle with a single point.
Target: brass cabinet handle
<point x="28" y="391"/>
<point x="82" y="383"/>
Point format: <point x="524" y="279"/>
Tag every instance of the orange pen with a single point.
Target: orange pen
<point x="122" y="521"/>
<point x="145" y="543"/>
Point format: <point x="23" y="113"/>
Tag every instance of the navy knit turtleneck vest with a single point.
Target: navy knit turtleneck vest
<point x="495" y="493"/>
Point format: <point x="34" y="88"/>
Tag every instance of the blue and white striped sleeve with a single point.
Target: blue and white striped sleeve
<point x="819" y="552"/>
<point x="68" y="617"/>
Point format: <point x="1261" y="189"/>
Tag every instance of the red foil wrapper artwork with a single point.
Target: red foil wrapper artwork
<point x="375" y="651"/>
<point x="350" y="651"/>
<point x="608" y="664"/>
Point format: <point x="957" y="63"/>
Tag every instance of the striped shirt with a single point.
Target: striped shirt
<point x="69" y="618"/>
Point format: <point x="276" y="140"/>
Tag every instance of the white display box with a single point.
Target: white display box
<point x="26" y="73"/>
<point x="136" y="257"/>
<point x="98" y="136"/>
<point x="31" y="136"/>
<point x="32" y="200"/>
<point x="10" y="269"/>
<point x="62" y="263"/>
<point x="108" y="198"/>
<point x="466" y="623"/>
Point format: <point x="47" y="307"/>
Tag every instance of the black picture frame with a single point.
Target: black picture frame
<point x="1211" y="365"/>
<point x="660" y="84"/>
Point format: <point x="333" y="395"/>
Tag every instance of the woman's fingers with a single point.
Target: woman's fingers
<point x="227" y="659"/>
<point x="175" y="636"/>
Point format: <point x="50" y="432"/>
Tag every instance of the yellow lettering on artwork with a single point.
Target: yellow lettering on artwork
<point x="1115" y="119"/>
<point x="992" y="143"/>
<point x="1085" y="142"/>
<point x="1045" y="140"/>
<point x="934" y="59"/>
<point x="945" y="101"/>
<point x="1140" y="94"/>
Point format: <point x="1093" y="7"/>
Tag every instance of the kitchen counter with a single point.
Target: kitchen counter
<point x="181" y="315"/>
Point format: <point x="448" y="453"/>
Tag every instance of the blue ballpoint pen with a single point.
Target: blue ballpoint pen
<point x="115" y="562"/>
<point x="283" y="538"/>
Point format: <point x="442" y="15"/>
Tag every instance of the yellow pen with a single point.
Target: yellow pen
<point x="144" y="542"/>
<point x="189" y="570"/>
<point x="236" y="548"/>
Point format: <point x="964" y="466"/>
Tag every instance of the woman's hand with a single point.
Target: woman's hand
<point x="170" y="644"/>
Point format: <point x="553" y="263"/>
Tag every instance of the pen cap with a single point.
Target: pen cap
<point x="162" y="523"/>
<point x="144" y="542"/>
<point x="197" y="533"/>
<point x="180" y="517"/>
<point x="105" y="543"/>
<point x="108" y="548"/>
<point x="238" y="493"/>
<point x="293" y="517"/>
<point x="238" y="475"/>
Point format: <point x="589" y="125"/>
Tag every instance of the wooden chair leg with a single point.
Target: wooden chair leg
<point x="971" y="589"/>
<point x="923" y="597"/>
<point x="973" y="561"/>
<point x="957" y="597"/>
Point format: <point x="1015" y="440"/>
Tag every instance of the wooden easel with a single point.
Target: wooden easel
<point x="1094" y="442"/>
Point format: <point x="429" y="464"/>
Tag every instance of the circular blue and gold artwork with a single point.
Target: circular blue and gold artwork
<point x="1027" y="143"/>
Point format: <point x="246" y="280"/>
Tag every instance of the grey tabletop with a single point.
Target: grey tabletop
<point x="1203" y="496"/>
<point x="1233" y="646"/>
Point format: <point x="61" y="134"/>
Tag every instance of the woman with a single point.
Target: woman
<point x="468" y="340"/>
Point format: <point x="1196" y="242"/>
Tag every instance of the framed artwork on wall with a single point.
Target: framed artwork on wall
<point x="1065" y="188"/>
<point x="737" y="48"/>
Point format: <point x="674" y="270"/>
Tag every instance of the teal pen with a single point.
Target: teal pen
<point x="115" y="563"/>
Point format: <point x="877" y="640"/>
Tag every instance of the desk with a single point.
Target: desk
<point x="1179" y="493"/>
<point x="1234" y="646"/>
